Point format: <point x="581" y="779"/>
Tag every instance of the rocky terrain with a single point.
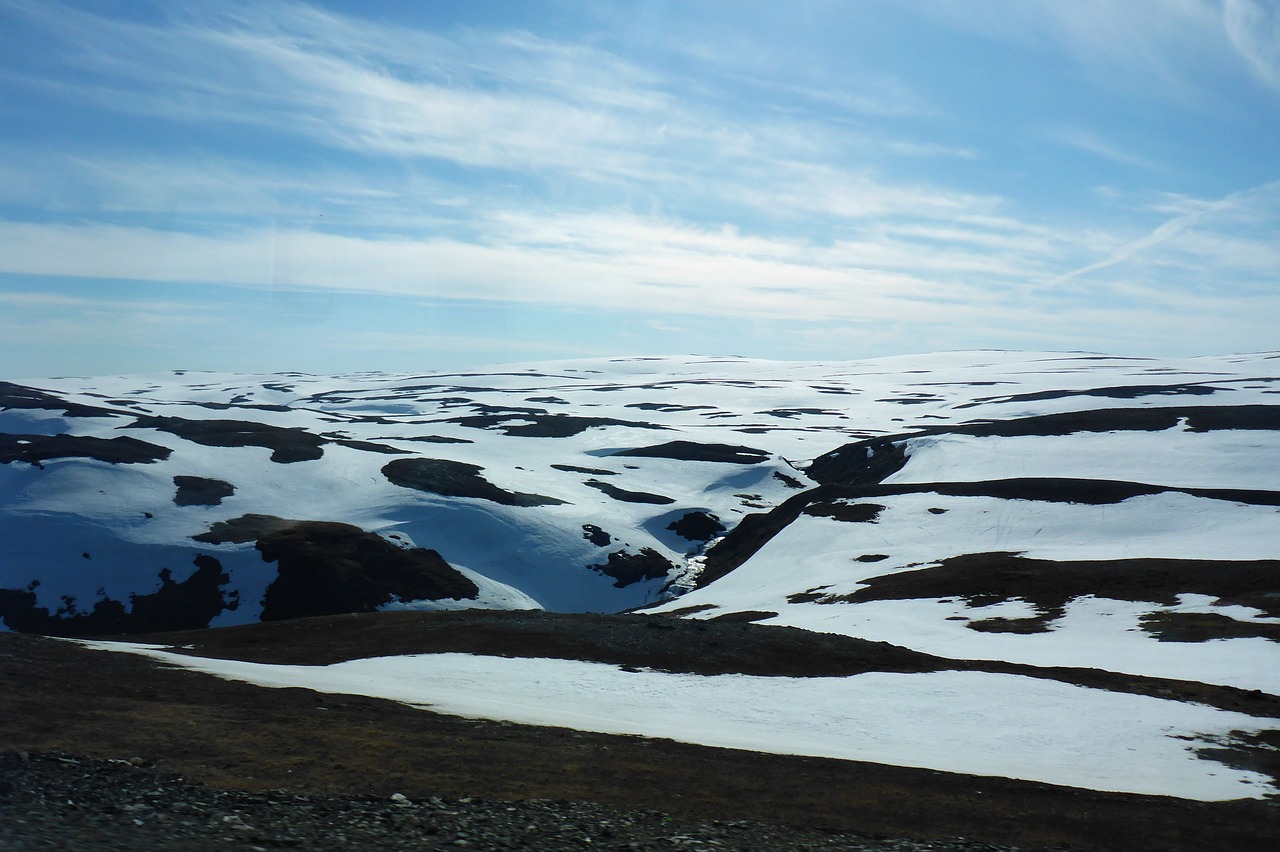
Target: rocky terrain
<point x="123" y="753"/>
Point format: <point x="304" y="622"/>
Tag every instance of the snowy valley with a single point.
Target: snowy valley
<point x="1081" y="552"/>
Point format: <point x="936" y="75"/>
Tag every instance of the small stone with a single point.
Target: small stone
<point x="400" y="799"/>
<point x="136" y="761"/>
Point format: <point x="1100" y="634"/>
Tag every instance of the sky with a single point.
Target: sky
<point x="406" y="186"/>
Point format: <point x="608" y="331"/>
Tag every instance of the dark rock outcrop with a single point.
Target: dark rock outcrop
<point x="35" y="449"/>
<point x="697" y="526"/>
<point x="201" y="491"/>
<point x="627" y="568"/>
<point x="596" y="535"/>
<point x="187" y="605"/>
<point x="330" y="568"/>
<point x="860" y="463"/>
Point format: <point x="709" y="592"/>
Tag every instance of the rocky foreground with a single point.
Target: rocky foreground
<point x="58" y="801"/>
<point x="122" y="753"/>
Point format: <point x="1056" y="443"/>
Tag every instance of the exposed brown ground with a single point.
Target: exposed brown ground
<point x="57" y="696"/>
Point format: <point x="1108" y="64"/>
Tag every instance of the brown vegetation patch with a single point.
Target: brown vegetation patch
<point x="227" y="734"/>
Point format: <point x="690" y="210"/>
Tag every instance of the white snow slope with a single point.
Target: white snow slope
<point x="1049" y="509"/>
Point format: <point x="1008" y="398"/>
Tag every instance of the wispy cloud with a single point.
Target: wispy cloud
<point x="507" y="101"/>
<point x="1249" y="202"/>
<point x="1094" y="143"/>
<point x="1254" y="30"/>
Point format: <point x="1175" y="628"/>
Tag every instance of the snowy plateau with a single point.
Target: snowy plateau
<point x="1078" y="554"/>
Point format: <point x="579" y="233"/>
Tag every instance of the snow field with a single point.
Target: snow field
<point x="971" y="722"/>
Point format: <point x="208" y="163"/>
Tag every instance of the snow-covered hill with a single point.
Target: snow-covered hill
<point x="134" y="503"/>
<point x="1051" y="513"/>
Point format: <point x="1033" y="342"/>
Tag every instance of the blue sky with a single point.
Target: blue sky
<point x="336" y="186"/>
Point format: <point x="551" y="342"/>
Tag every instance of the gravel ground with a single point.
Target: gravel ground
<point x="57" y="801"/>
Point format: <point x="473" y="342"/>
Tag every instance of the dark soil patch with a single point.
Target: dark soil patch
<point x="286" y="445"/>
<point x="627" y="568"/>
<point x="624" y="496"/>
<point x="201" y="491"/>
<point x="457" y="479"/>
<point x="35" y="449"/>
<point x="188" y="605"/>
<point x="1204" y="627"/>
<point x="692" y="451"/>
<point x="224" y="735"/>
